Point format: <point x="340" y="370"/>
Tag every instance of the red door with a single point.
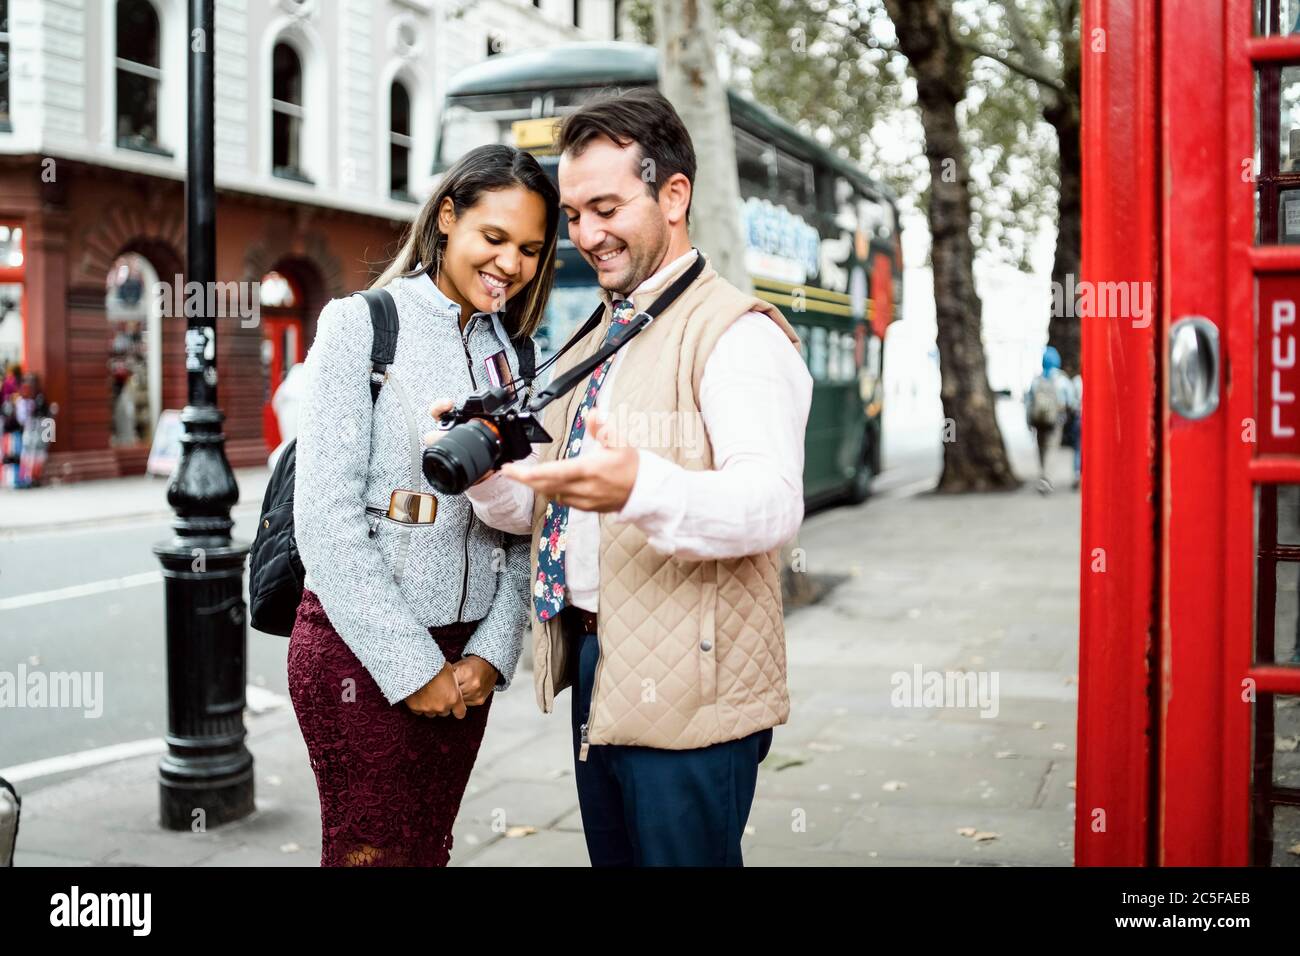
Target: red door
<point x="1189" y="671"/>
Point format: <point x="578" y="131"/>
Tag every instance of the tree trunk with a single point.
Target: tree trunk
<point x="976" y="460"/>
<point x="686" y="36"/>
<point x="1063" y="115"/>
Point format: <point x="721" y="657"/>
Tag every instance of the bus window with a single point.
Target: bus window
<point x="568" y="100"/>
<point x="755" y="160"/>
<point x="794" y="187"/>
<point x="472" y="121"/>
<point x="566" y="309"/>
<point x="817" y="354"/>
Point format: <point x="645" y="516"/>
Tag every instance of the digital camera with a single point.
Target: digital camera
<point x="486" y="430"/>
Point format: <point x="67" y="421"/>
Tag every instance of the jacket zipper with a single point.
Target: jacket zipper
<point x="595" y="682"/>
<point x="469" y="367"/>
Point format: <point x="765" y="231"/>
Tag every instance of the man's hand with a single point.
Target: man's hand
<point x="476" y="678"/>
<point x="601" y="480"/>
<point x="439" y="697"/>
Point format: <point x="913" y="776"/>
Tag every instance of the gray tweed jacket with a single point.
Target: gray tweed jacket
<point x="382" y="583"/>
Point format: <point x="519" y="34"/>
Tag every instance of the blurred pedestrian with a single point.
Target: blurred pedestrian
<point x="12" y="382"/>
<point x="1047" y="398"/>
<point x="285" y="403"/>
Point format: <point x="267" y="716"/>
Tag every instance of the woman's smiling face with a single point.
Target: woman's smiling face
<point x="493" y="248"/>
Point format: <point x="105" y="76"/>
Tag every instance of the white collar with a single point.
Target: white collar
<point x="424" y="286"/>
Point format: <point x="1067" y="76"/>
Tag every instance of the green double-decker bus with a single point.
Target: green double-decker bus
<point x="821" y="237"/>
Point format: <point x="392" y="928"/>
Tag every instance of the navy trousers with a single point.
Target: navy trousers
<point x="642" y="806"/>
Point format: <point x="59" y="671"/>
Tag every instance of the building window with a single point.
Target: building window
<point x="399" y="142"/>
<point x="577" y="13"/>
<point x="4" y="67"/>
<point x="618" y="19"/>
<point x="134" y="349"/>
<point x="139" y="75"/>
<point x="286" y="114"/>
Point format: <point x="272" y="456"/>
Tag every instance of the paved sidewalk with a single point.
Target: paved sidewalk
<point x="979" y="584"/>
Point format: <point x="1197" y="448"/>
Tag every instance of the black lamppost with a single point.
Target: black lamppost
<point x="207" y="767"/>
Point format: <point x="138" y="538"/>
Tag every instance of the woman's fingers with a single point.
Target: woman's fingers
<point x="437" y="410"/>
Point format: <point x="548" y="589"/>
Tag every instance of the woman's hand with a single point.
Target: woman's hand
<point x="476" y="678"/>
<point x="437" y="410"/>
<point x="439" y="697"/>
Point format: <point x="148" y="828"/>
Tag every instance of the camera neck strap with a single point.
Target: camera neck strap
<point x="639" y="321"/>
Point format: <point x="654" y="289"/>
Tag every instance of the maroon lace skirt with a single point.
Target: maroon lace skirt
<point x="390" y="781"/>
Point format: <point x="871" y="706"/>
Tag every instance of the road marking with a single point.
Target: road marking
<point x="83" y="759"/>
<point x="80" y="590"/>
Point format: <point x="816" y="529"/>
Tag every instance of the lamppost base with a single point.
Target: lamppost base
<point x="204" y="792"/>
<point x="206" y="776"/>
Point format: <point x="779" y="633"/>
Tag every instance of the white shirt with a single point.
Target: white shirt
<point x="754" y="398"/>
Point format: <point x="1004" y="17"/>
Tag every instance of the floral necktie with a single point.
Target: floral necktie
<point x="550" y="594"/>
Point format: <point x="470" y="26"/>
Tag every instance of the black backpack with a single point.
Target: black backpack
<point x="275" y="571"/>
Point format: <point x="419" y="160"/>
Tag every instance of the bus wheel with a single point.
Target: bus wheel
<point x="860" y="488"/>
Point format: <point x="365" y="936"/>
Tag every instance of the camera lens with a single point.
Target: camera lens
<point x="463" y="456"/>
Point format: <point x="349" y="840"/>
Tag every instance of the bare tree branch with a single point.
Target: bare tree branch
<point x="1051" y="82"/>
<point x="1022" y="39"/>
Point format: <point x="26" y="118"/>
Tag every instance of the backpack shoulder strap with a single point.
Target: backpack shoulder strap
<point x="527" y="355"/>
<point x="383" y="318"/>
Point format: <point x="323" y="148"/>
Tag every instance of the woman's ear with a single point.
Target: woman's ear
<point x="446" y="215"/>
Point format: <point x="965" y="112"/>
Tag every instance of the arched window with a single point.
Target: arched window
<point x="399" y="142"/>
<point x="139" y="75"/>
<point x="132" y="306"/>
<point x="286" y="114"/>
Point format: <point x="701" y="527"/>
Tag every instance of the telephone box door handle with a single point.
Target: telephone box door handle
<point x="1194" y="367"/>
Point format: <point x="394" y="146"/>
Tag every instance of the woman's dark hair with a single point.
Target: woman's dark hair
<point x="481" y="170"/>
<point x="643" y="116"/>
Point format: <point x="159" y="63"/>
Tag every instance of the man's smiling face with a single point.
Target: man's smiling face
<point x="618" y="226"/>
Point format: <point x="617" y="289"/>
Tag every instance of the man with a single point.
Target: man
<point x="655" y="568"/>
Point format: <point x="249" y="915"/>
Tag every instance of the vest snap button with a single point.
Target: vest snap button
<point x="706" y="645"/>
<point x="266" y="523"/>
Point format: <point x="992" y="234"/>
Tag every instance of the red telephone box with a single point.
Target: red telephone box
<point x="1189" y="716"/>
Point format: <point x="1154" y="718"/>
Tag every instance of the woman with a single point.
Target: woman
<point x="405" y="629"/>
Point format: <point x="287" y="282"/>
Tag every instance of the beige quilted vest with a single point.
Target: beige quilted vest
<point x="692" y="653"/>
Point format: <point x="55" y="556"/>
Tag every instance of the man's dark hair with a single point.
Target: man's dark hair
<point x="642" y="116"/>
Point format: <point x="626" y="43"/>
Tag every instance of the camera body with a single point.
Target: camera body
<point x="486" y="430"/>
